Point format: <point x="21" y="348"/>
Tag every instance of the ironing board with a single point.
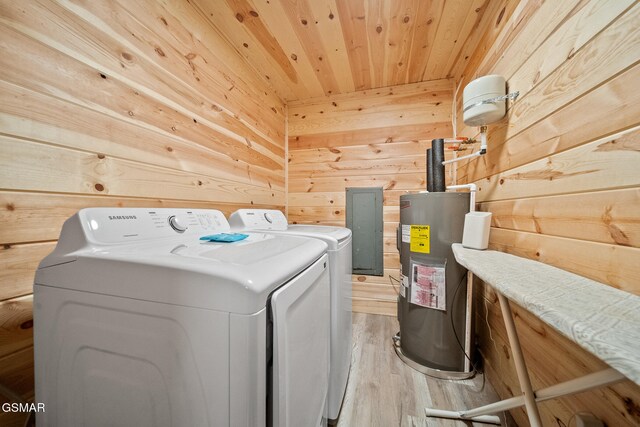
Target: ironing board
<point x="601" y="319"/>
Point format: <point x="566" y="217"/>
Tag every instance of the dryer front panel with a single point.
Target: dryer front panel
<point x="301" y="318"/>
<point x="110" y="361"/>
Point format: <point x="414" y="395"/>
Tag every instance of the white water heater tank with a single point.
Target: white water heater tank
<point x="477" y="113"/>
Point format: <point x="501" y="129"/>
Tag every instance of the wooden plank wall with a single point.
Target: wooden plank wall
<point x="561" y="179"/>
<point x="374" y="138"/>
<point x="118" y="103"/>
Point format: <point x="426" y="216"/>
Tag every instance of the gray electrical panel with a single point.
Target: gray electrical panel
<point x="364" y="219"/>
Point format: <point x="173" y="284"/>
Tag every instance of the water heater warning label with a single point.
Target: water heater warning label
<point x="428" y="286"/>
<point x="420" y="239"/>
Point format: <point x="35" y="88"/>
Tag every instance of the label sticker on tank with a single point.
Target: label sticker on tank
<point x="404" y="284"/>
<point x="420" y="239"/>
<point x="428" y="286"/>
<point x="406" y="233"/>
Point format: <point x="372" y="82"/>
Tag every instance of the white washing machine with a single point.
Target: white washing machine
<point x="140" y="323"/>
<point x="339" y="241"/>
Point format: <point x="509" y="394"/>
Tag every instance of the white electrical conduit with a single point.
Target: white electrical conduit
<point x="467" y="341"/>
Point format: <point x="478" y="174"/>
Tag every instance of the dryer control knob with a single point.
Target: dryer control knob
<point x="268" y="217"/>
<point x="177" y="223"/>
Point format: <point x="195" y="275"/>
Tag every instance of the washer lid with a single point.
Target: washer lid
<point x="235" y="277"/>
<point x="174" y="268"/>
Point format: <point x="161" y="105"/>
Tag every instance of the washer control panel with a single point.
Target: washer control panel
<point x="258" y="219"/>
<point x="117" y="225"/>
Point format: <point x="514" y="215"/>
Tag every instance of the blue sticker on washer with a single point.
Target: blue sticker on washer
<point x="224" y="237"/>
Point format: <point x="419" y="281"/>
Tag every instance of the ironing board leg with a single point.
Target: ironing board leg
<point x="518" y="359"/>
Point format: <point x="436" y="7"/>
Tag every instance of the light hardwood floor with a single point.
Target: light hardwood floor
<point x="384" y="392"/>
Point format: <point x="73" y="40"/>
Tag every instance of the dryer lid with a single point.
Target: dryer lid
<point x="258" y="219"/>
<point x="338" y="233"/>
<point x="274" y="220"/>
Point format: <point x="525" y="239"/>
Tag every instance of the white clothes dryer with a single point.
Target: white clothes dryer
<point x="140" y="323"/>
<point x="339" y="241"/>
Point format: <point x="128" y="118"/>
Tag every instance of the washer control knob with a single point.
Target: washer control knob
<point x="268" y="217"/>
<point x="177" y="223"/>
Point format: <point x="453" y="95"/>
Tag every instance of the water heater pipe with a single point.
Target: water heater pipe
<point x="483" y="148"/>
<point x="429" y="174"/>
<point x="472" y="197"/>
<point x="483" y="139"/>
<point x="437" y="153"/>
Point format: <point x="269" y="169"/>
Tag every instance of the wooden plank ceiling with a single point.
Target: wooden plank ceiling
<point x="311" y="48"/>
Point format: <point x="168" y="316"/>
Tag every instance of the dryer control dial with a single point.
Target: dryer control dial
<point x="268" y="217"/>
<point x="178" y="223"/>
